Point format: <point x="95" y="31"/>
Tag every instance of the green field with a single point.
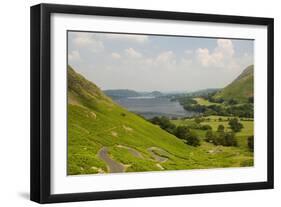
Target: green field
<point x="204" y="102"/>
<point x="104" y="137"/>
<point x="215" y="121"/>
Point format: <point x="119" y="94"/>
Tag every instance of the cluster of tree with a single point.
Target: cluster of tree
<point x="231" y="101"/>
<point x="210" y="97"/>
<point x="190" y="137"/>
<point x="194" y="107"/>
<point x="182" y="132"/>
<point x="231" y="109"/>
<point x="204" y="127"/>
<point x="185" y="100"/>
<point x="220" y="137"/>
<point x="241" y="110"/>
<point x="199" y="119"/>
<point x="164" y="123"/>
<point x="235" y="125"/>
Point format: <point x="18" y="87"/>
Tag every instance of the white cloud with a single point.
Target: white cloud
<point x="88" y="40"/>
<point x="222" y="54"/>
<point x="127" y="37"/>
<point x="166" y="60"/>
<point x="165" y="56"/>
<point x="185" y="62"/>
<point x="188" y="52"/>
<point x="74" y="56"/>
<point x="225" y="46"/>
<point x="132" y="53"/>
<point x="115" y="55"/>
<point x="203" y="56"/>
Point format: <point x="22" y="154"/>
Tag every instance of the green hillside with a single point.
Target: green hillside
<point x="104" y="137"/>
<point x="241" y="89"/>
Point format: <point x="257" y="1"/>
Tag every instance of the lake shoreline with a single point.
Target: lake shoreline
<point x="149" y="107"/>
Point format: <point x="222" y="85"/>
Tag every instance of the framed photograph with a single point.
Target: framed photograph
<point x="133" y="103"/>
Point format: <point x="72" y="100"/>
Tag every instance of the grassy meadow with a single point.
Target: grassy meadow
<point x="204" y="102"/>
<point x="215" y="121"/>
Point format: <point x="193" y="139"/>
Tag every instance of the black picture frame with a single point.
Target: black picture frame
<point x="41" y="96"/>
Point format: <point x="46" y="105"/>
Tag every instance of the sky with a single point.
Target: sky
<point x="154" y="62"/>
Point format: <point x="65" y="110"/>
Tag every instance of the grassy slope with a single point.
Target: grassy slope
<point x="241" y="88"/>
<point x="94" y="121"/>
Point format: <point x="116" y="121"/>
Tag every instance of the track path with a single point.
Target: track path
<point x="112" y="165"/>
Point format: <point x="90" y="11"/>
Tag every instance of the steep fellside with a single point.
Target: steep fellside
<point x="241" y="89"/>
<point x="95" y="122"/>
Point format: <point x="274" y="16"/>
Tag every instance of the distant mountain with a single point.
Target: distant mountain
<point x="241" y="89"/>
<point x="153" y="93"/>
<point x="121" y="93"/>
<point x="125" y="93"/>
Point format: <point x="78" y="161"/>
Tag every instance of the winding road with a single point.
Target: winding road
<point x="117" y="167"/>
<point x="132" y="151"/>
<point x="156" y="156"/>
<point x="112" y="165"/>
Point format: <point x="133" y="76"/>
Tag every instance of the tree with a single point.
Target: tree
<point x="235" y="125"/>
<point x="186" y="134"/>
<point x="198" y="120"/>
<point x="225" y="139"/>
<point x="181" y="131"/>
<point x="192" y="139"/>
<point x="251" y="143"/>
<point x="229" y="139"/>
<point x="210" y="112"/>
<point x="205" y="127"/>
<point x="219" y="139"/>
<point x="164" y="123"/>
<point x="220" y="128"/>
<point x="232" y="101"/>
<point x="209" y="137"/>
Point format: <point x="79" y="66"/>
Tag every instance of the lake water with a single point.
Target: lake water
<point x="150" y="107"/>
